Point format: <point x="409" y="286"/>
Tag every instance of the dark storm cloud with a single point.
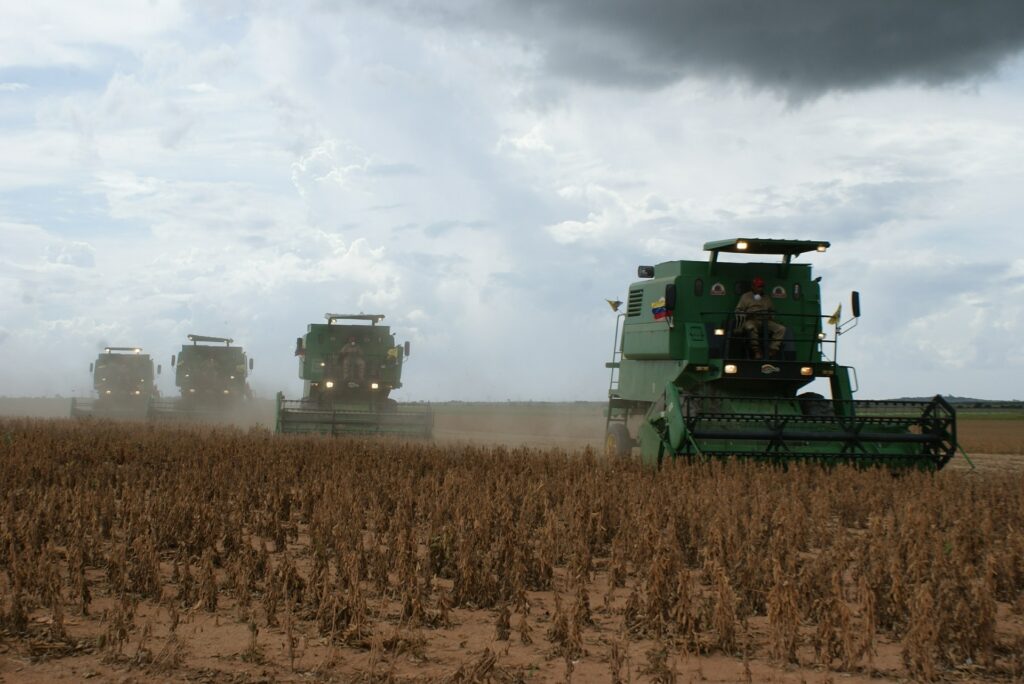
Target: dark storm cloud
<point x="802" y="48"/>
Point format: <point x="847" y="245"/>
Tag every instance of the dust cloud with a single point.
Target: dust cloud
<point x="569" y="426"/>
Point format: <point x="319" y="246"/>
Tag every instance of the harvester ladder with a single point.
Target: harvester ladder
<point x="613" y="379"/>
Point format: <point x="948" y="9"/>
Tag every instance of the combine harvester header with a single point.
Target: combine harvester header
<point x="710" y="358"/>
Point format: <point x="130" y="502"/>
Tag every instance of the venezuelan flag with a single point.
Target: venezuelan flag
<point x="658" y="309"/>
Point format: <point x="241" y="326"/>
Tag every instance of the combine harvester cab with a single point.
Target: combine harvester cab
<point x="348" y="371"/>
<point x="212" y="378"/>
<point x="690" y="379"/>
<point x="123" y="382"/>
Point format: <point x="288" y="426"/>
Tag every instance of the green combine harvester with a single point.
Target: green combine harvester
<point x="694" y="377"/>
<point x="123" y="380"/>
<point x="348" y="370"/>
<point x="212" y="378"/>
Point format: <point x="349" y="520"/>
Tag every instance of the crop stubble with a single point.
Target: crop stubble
<point x="218" y="553"/>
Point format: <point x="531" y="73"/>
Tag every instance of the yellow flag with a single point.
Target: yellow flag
<point x="834" y="318"/>
<point x="614" y="304"/>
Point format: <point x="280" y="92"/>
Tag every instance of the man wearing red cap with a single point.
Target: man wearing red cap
<point x="754" y="311"/>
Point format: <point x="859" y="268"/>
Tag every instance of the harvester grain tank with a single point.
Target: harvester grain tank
<point x="691" y="378"/>
<point x="123" y="383"/>
<point x="211" y="376"/>
<point x="349" y="366"/>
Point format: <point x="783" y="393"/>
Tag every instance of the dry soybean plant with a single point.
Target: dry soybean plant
<point x="372" y="544"/>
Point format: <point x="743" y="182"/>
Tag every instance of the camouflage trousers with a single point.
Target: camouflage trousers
<point x="776" y="331"/>
<point x="353" y="368"/>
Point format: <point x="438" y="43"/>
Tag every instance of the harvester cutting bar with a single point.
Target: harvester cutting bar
<point x="82" y="407"/>
<point x="176" y="409"/>
<point x="893" y="432"/>
<point x="96" y="408"/>
<point x="297" y="417"/>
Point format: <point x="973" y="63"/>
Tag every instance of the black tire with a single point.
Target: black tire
<point x="617" y="442"/>
<point x="815" y="405"/>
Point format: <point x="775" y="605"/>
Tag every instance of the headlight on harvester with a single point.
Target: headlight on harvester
<point x="227" y="391"/>
<point x="730" y="369"/>
<point x="192" y="390"/>
<point x="329" y="384"/>
<point x="374" y="385"/>
<point x="107" y="392"/>
<point x="138" y="391"/>
<point x="719" y="332"/>
<point x="806" y="370"/>
<point x="741" y="245"/>
<point x="322" y="364"/>
<point x="821" y="336"/>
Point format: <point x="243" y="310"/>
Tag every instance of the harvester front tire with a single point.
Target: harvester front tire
<point x="813" y="404"/>
<point x="617" y="442"/>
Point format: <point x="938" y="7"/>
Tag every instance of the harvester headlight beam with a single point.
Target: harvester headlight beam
<point x="741" y="245"/>
<point x="374" y="385"/>
<point x="730" y="369"/>
<point x="821" y="336"/>
<point x="329" y="384"/>
<point x="227" y="391"/>
<point x="806" y="370"/>
<point x="719" y="332"/>
<point x="822" y="248"/>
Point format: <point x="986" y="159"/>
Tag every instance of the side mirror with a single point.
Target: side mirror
<point x="159" y="368"/>
<point x="645" y="272"/>
<point x="670" y="296"/>
<point x="90" y="367"/>
<point x="406" y="346"/>
<point x="172" y="360"/>
<point x="299" y="349"/>
<point x="250" y="364"/>
<point x="855" y="303"/>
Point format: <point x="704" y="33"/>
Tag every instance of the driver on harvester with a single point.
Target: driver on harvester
<point x="754" y="312"/>
<point x="353" y="366"/>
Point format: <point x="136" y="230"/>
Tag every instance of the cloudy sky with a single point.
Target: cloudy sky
<point x="487" y="172"/>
